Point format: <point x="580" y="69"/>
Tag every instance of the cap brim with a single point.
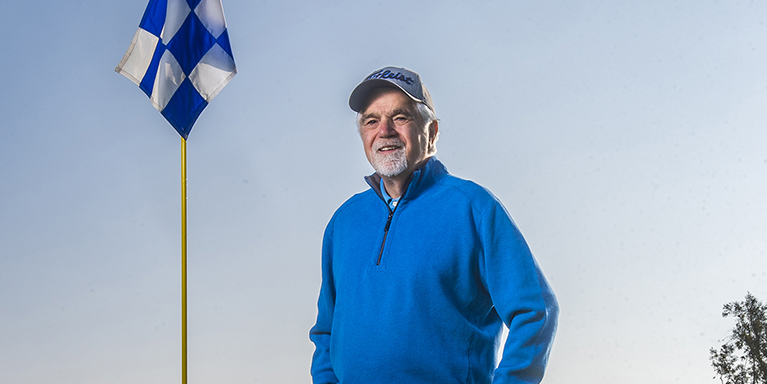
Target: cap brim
<point x="360" y="94"/>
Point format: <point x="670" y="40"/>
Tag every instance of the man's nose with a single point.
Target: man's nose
<point x="386" y="128"/>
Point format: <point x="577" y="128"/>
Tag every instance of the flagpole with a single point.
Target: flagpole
<point x="139" y="65"/>
<point x="183" y="263"/>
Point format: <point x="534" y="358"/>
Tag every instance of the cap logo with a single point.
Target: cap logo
<point x="387" y="74"/>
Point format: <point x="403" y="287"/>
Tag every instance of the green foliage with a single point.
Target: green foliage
<point x="742" y="359"/>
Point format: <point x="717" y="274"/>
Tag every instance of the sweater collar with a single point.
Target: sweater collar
<point x="420" y="181"/>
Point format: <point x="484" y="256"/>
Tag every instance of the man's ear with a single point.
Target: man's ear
<point x="433" y="130"/>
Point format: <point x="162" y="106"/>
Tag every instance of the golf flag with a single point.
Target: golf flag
<point x="181" y="58"/>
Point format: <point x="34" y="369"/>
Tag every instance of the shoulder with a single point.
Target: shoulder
<point x="361" y="198"/>
<point x="478" y="196"/>
<point x="353" y="205"/>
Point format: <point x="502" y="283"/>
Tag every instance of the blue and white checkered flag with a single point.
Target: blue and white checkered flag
<point x="181" y="58"/>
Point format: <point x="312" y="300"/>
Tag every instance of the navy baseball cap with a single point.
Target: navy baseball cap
<point x="393" y="77"/>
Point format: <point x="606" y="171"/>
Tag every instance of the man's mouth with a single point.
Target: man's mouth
<point x="389" y="147"/>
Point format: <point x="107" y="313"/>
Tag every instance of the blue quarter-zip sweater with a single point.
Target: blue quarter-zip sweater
<point x="419" y="294"/>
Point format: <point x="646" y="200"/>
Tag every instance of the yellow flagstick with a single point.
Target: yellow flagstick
<point x="183" y="261"/>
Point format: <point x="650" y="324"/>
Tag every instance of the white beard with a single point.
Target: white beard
<point x="389" y="165"/>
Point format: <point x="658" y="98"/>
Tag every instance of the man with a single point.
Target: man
<point x="421" y="271"/>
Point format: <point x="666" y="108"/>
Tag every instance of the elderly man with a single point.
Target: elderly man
<point x="421" y="271"/>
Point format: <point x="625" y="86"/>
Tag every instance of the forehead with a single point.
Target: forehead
<point x="387" y="98"/>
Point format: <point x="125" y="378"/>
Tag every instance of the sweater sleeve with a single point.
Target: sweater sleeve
<point x="521" y="296"/>
<point x="321" y="368"/>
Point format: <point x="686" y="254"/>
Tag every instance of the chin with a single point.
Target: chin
<point x="390" y="165"/>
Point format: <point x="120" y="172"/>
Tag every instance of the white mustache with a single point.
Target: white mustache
<point x="387" y="143"/>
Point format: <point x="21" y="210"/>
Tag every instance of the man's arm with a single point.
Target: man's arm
<point x="522" y="297"/>
<point x="322" y="370"/>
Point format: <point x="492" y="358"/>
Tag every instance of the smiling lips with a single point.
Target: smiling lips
<point x="388" y="146"/>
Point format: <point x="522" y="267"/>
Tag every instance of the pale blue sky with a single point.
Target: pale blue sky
<point x="627" y="140"/>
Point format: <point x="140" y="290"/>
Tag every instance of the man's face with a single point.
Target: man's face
<point x="395" y="139"/>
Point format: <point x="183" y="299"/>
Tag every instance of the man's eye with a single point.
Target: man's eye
<point x="370" y="122"/>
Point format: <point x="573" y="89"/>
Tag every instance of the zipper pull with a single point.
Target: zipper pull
<point x="388" y="221"/>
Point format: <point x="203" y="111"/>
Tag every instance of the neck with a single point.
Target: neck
<point x="397" y="184"/>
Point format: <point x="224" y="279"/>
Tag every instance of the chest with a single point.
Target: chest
<point x="424" y="243"/>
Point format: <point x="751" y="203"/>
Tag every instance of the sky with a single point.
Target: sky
<point x="626" y="139"/>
